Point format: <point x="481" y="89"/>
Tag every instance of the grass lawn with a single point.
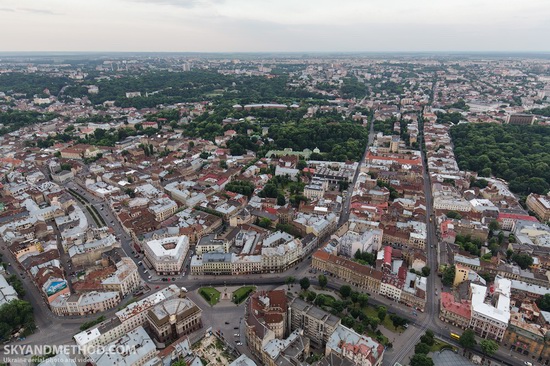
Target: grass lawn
<point x="242" y="293"/>
<point x="210" y="294"/>
<point x="439" y="345"/>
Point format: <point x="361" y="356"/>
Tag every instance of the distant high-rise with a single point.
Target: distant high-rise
<point x="186" y="66"/>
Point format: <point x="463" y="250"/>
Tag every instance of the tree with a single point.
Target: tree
<point x="264" y="222"/>
<point x="449" y="276"/>
<point x="421" y="348"/>
<point x="494" y="225"/>
<point x="427" y="339"/>
<point x="311" y="296"/>
<point x="523" y="260"/>
<point x="421" y="360"/>
<point x="223" y="164"/>
<point x="382" y="312"/>
<point x="488" y="346"/>
<point x="543" y="302"/>
<point x="426" y="271"/>
<point x="453" y="215"/>
<point x="468" y="339"/>
<point x="363" y="300"/>
<point x="322" y="280"/>
<point x="281" y="201"/>
<point x="345" y="291"/>
<point x="304" y="283"/>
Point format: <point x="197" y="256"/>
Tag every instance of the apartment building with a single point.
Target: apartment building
<point x="135" y="348"/>
<point x="84" y="304"/>
<point x="167" y="255"/>
<point x="488" y="320"/>
<point x="317" y="324"/>
<point x="125" y="320"/>
<point x="125" y="279"/>
<point x="540" y="205"/>
<point x="266" y="319"/>
<point x="357" y="348"/>
<point x="351" y="272"/>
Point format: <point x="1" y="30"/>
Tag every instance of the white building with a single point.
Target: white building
<point x="369" y="241"/>
<point x="490" y="319"/>
<point x="135" y="348"/>
<point x="167" y="255"/>
<point x="125" y="279"/>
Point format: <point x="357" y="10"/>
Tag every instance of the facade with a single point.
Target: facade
<point x="521" y="119"/>
<point x="125" y="279"/>
<point x="458" y="313"/>
<point x="528" y="339"/>
<point x="360" y="349"/>
<point x="173" y="318"/>
<point x="316" y="323"/>
<point x="265" y="319"/>
<point x="135" y="348"/>
<point x="125" y="320"/>
<point x="84" y="304"/>
<point x="351" y="272"/>
<point x="168" y="254"/>
<point x="540" y="205"/>
<point x="490" y="321"/>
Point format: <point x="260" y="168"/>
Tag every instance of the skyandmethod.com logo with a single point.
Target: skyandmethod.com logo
<point x="21" y="354"/>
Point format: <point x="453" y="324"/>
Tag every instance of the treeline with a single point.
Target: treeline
<point x="31" y="84"/>
<point x="518" y="154"/>
<point x="14" y="120"/>
<point x="541" y="111"/>
<point x="174" y="87"/>
<point x="337" y="141"/>
<point x="15" y="316"/>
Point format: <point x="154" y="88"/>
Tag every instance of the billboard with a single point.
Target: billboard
<point x="55" y="287"/>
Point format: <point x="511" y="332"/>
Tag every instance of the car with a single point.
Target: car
<point x="236" y="328"/>
<point x="406" y="326"/>
<point x="140" y="263"/>
<point x="157" y="287"/>
<point x="237" y="335"/>
<point x="149" y="277"/>
<point x="173" y="278"/>
<point x="527" y="363"/>
<point x="239" y="343"/>
<point x="226" y="322"/>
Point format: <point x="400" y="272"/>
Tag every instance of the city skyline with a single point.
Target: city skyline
<point x="260" y="26"/>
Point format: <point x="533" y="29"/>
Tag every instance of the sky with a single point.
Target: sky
<point x="275" y="25"/>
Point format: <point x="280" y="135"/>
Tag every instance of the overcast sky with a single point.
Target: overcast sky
<point x="274" y="25"/>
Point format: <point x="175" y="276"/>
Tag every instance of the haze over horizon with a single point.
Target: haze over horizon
<point x="268" y="26"/>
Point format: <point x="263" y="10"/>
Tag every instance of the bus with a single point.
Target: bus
<point x="455" y="336"/>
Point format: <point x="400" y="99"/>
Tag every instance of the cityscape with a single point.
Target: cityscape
<point x="175" y="191"/>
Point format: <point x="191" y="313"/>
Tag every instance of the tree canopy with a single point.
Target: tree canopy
<point x="518" y="154"/>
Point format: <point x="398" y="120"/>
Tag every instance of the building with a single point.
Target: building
<point x="167" y="255"/>
<point x="174" y="318"/>
<point x="540" y="205"/>
<point x="266" y="319"/>
<point x="125" y="279"/>
<point x="490" y="320"/>
<point x="125" y="320"/>
<point x="458" y="313"/>
<point x="135" y="348"/>
<point x="529" y="339"/>
<point x="351" y="272"/>
<point x="316" y="323"/>
<point x="520" y="119"/>
<point x="360" y="349"/>
<point x="369" y="241"/>
<point x="84" y="304"/>
<point x="290" y="351"/>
